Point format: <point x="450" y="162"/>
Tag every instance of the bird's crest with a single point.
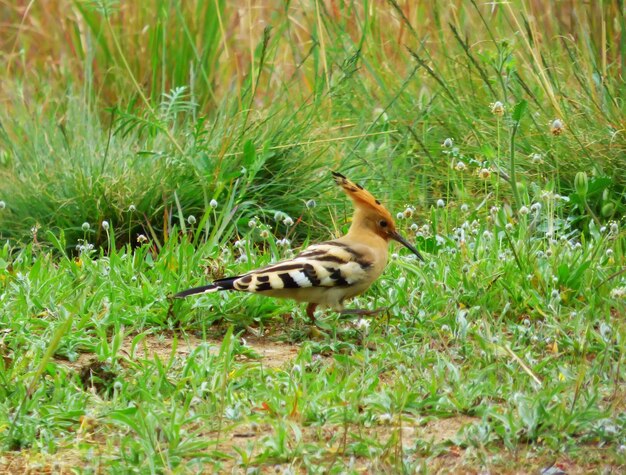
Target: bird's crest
<point x="360" y="196"/>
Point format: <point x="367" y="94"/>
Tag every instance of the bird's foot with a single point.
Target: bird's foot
<point x="362" y="311"/>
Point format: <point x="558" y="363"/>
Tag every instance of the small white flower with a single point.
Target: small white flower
<point x="191" y="219"/>
<point x="614" y="227"/>
<point x="2" y="204"/>
<point x="509" y="227"/>
<point x="408" y="212"/>
<point x="536" y="158"/>
<point x="252" y="224"/>
<point x="264" y="234"/>
<point x="311" y="204"/>
<point x="555" y="295"/>
<point x="141" y="239"/>
<point x="105" y="225"/>
<point x="609" y="252"/>
<point x="363" y="324"/>
<point x="399" y="216"/>
<point x="288" y="221"/>
<point x="213" y="203"/>
<point x="441" y="203"/>
<point x="414" y="227"/>
<point x="557" y="127"/>
<point x="535" y="207"/>
<point x="85" y="226"/>
<point x="460" y="166"/>
<point x="497" y="108"/>
<point x="448" y="143"/>
<point x="524" y="210"/>
<point x="618" y="293"/>
<point x="132" y="208"/>
<point x="464" y="208"/>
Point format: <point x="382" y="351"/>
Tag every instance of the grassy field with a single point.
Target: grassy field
<point x="146" y="147"/>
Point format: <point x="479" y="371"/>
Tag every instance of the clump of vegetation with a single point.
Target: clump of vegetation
<point x="170" y="143"/>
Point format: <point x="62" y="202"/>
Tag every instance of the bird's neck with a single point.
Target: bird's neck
<point x="361" y="231"/>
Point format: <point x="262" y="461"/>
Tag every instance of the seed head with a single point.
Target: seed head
<point x="484" y="173"/>
<point x="557" y="127"/>
<point x="265" y="234"/>
<point x="191" y="219"/>
<point x="497" y="108"/>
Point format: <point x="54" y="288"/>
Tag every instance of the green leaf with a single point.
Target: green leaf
<point x="519" y="110"/>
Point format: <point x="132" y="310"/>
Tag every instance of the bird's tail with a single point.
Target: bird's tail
<point x="221" y="284"/>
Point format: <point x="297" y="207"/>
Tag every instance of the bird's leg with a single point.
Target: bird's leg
<point x="310" y="311"/>
<point x="361" y="311"/>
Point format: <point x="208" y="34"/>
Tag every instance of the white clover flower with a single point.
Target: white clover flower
<point x="464" y="208"/>
<point x="484" y="173"/>
<point x="311" y="204"/>
<point x="191" y="219"/>
<point x="264" y="234"/>
<point x="141" y="238"/>
<point x="535" y="207"/>
<point x="213" y="203"/>
<point x="132" y="208"/>
<point x="524" y="210"/>
<point x="105" y="225"/>
<point x="536" y="157"/>
<point x="414" y="227"/>
<point x="555" y="295"/>
<point x="448" y="143"/>
<point x="494" y="210"/>
<point x="399" y="215"/>
<point x="288" y="221"/>
<point x="609" y="252"/>
<point x="509" y="227"/>
<point x="618" y="293"/>
<point x="441" y="203"/>
<point x="2" y="205"/>
<point x="460" y="166"/>
<point x="363" y="324"/>
<point x="408" y="212"/>
<point x="252" y="224"/>
<point x="85" y="226"/>
<point x="614" y="228"/>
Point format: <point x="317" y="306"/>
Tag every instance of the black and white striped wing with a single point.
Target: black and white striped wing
<point x="329" y="264"/>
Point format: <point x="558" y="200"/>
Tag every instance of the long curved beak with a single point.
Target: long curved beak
<point x="397" y="237"/>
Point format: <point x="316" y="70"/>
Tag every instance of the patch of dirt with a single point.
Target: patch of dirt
<point x="273" y="354"/>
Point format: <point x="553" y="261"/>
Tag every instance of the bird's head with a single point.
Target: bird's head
<point x="370" y="215"/>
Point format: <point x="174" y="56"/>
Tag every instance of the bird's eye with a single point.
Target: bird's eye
<point x="383" y="223"/>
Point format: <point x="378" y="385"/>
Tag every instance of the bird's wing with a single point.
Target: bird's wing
<point x="328" y="264"/>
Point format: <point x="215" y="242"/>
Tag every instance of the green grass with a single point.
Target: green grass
<point x="167" y="144"/>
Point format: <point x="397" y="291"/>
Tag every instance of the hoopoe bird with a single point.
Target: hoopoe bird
<point x="329" y="273"/>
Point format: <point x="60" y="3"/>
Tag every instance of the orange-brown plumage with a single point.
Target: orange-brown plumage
<point x="331" y="272"/>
